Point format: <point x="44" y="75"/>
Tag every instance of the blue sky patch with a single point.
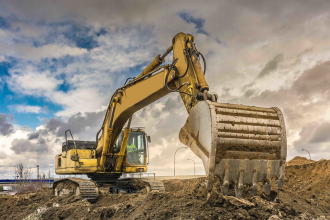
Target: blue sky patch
<point x="4" y="23"/>
<point x="198" y="22"/>
<point x="83" y="37"/>
<point x="9" y="98"/>
<point x="102" y="31"/>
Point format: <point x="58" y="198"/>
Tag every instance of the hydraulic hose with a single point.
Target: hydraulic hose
<point x="203" y="62"/>
<point x="166" y="79"/>
<point x="187" y="58"/>
<point x="128" y="79"/>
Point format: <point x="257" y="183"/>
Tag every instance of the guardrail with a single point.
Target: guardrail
<point x="138" y="175"/>
<point x="28" y="180"/>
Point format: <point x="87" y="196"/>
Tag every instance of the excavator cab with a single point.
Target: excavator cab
<point x="137" y="146"/>
<point x="79" y="157"/>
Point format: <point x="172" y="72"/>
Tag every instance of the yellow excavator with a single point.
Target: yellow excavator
<point x="242" y="145"/>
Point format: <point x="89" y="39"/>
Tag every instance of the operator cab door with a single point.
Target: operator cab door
<point x="135" y="149"/>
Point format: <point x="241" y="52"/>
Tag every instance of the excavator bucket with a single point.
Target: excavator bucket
<point x="240" y="144"/>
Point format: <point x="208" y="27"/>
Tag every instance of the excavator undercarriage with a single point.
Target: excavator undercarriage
<point x="88" y="189"/>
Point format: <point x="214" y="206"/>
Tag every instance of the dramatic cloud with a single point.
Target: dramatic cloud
<point x="271" y="66"/>
<point x="321" y="133"/>
<point x="5" y="127"/>
<point x="21" y="146"/>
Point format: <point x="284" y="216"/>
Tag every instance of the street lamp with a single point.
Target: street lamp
<point x="49" y="175"/>
<point x="194" y="165"/>
<point x="308" y="153"/>
<point x="174" y="157"/>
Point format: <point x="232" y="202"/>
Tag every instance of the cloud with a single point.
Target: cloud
<point x="25" y="108"/>
<point x="271" y="66"/>
<point x="45" y="51"/>
<point x="33" y="136"/>
<point x="3" y="155"/>
<point x="321" y="134"/>
<point x="21" y="146"/>
<point x="198" y="22"/>
<point x="5" y="127"/>
<point x="30" y="81"/>
<point x="48" y="51"/>
<point x="314" y="137"/>
<point x="314" y="82"/>
<point x="83" y="127"/>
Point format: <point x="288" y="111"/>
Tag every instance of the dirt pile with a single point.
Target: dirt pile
<point x="299" y="161"/>
<point x="305" y="196"/>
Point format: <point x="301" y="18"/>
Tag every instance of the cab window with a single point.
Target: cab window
<point x="136" y="148"/>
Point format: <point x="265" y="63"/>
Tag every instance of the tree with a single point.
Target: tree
<point x="19" y="169"/>
<point x="22" y="175"/>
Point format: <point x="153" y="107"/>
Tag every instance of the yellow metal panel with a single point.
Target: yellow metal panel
<point x="121" y="154"/>
<point x="87" y="163"/>
<point x="134" y="169"/>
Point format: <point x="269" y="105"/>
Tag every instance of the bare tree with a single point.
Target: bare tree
<point x="19" y="170"/>
<point x="27" y="174"/>
<point x="23" y="176"/>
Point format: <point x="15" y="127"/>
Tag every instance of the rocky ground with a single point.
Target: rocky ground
<point x="306" y="195"/>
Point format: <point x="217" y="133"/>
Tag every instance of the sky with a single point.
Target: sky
<point x="60" y="62"/>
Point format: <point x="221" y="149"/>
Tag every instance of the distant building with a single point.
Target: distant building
<point x="7" y="188"/>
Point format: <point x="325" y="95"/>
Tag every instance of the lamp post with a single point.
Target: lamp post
<point x="194" y="165"/>
<point x="174" y="157"/>
<point x="49" y="175"/>
<point x="308" y="153"/>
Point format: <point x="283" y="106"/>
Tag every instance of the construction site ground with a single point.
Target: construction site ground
<point x="306" y="195"/>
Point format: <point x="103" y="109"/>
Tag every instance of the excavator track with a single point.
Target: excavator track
<point x="128" y="185"/>
<point x="85" y="188"/>
<point x="240" y="144"/>
<point x="125" y="183"/>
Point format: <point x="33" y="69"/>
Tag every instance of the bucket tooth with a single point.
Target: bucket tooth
<point x="225" y="186"/>
<point x="267" y="187"/>
<point x="280" y="181"/>
<point x="239" y="187"/>
<point x="279" y="184"/>
<point x="209" y="184"/>
<point x="254" y="187"/>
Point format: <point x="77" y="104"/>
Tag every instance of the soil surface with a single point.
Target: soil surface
<point x="306" y="195"/>
<point x="299" y="161"/>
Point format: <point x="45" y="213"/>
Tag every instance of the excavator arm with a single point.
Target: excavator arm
<point x="184" y="75"/>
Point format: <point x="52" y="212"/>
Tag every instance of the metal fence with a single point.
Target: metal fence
<point x="138" y="175"/>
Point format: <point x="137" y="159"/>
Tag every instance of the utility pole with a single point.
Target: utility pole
<point x="49" y="175"/>
<point x="174" y="157"/>
<point x="194" y="165"/>
<point x="37" y="171"/>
